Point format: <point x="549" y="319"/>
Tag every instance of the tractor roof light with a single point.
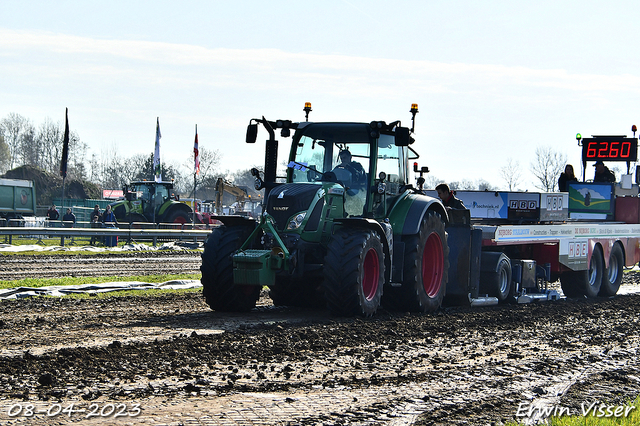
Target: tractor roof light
<point x="307" y="110"/>
<point x="413" y="111"/>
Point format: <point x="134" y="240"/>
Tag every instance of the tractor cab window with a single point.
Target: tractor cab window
<point x="309" y="162"/>
<point x="392" y="160"/>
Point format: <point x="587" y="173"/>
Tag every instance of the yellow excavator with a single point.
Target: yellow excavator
<point x="223" y="187"/>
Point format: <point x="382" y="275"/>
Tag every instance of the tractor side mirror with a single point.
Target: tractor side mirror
<point x="403" y="136"/>
<point x="252" y="133"/>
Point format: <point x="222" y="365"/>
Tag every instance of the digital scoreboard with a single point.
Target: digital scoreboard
<point x="610" y="148"/>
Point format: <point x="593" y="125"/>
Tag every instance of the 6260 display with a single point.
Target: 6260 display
<point x="610" y="148"/>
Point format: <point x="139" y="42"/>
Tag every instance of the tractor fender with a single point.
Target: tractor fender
<point x="408" y="214"/>
<point x="383" y="229"/>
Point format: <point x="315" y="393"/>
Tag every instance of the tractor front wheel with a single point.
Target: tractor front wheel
<point x="354" y="272"/>
<point x="217" y="272"/>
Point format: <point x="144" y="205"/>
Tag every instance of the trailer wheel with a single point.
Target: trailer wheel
<point x="354" y="272"/>
<point x="426" y="268"/>
<point x="217" y="272"/>
<point x="612" y="277"/>
<point x="497" y="282"/>
<point x="585" y="283"/>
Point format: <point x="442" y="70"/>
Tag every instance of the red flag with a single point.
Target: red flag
<point x="196" y="154"/>
<point x="65" y="145"/>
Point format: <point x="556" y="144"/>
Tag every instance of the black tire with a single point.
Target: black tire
<point x="612" y="276"/>
<point x="217" y="272"/>
<point x="426" y="270"/>
<point x="302" y="293"/>
<point x="177" y="216"/>
<point x="585" y="283"/>
<point x="497" y="282"/>
<point x="354" y="272"/>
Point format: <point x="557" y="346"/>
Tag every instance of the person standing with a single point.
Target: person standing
<point x="69" y="219"/>
<point x="95" y="219"/>
<point x="52" y="213"/>
<point x="109" y="221"/>
<point x="566" y="178"/>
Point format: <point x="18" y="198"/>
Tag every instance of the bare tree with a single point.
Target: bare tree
<point x="206" y="179"/>
<point x="511" y="174"/>
<point x="547" y="166"/>
<point x="14" y="126"/>
<point x="50" y="137"/>
<point x="5" y="154"/>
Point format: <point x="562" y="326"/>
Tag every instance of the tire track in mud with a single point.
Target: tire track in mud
<point x="20" y="267"/>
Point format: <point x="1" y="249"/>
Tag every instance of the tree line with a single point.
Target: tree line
<point x="23" y="143"/>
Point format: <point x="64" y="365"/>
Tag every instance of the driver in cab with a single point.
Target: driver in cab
<point x="358" y="175"/>
<point x="352" y="176"/>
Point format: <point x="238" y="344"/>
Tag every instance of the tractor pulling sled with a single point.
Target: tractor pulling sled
<point x="348" y="232"/>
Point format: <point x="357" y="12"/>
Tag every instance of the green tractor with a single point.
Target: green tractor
<point x="149" y="201"/>
<point x="345" y="230"/>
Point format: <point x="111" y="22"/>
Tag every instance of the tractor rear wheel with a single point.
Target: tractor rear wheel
<point x="178" y="216"/>
<point x="217" y="272"/>
<point x="426" y="269"/>
<point x="354" y="272"/>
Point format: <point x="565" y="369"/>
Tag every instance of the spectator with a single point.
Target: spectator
<point x="109" y="221"/>
<point x="108" y="218"/>
<point x="69" y="219"/>
<point x="52" y="213"/>
<point x="95" y="218"/>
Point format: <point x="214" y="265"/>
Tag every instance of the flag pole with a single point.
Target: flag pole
<point x="195" y="174"/>
<point x="65" y="155"/>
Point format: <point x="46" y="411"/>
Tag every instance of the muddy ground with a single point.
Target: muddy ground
<point x="169" y="360"/>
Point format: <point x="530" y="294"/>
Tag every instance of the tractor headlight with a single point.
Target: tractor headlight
<point x="296" y="221"/>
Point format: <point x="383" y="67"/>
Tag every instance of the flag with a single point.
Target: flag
<point x="156" y="155"/>
<point x="196" y="154"/>
<point x="65" y="145"/>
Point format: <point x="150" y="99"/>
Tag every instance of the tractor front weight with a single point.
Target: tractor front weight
<point x="259" y="267"/>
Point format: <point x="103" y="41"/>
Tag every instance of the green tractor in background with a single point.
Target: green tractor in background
<point x="149" y="201"/>
<point x="345" y="230"/>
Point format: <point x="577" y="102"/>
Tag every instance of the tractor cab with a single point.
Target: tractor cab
<point x="364" y="159"/>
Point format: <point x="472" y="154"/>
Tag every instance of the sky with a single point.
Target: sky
<point x="494" y="80"/>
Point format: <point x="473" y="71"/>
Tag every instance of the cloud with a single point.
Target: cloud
<point x="183" y="64"/>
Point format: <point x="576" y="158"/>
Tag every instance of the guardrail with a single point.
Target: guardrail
<point x="135" y="232"/>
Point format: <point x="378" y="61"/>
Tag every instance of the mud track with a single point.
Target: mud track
<point x="184" y="364"/>
<point x="17" y="267"/>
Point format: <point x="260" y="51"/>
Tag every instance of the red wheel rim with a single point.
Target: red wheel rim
<point x="432" y="265"/>
<point x="181" y="220"/>
<point x="371" y="274"/>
